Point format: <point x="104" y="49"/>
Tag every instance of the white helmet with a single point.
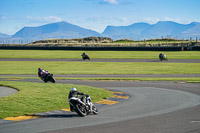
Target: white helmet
<point x="73" y="89"/>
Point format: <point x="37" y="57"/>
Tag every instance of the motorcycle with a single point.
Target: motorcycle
<point x="163" y="57"/>
<point x="49" y="77"/>
<point x="82" y="105"/>
<point x="85" y="57"/>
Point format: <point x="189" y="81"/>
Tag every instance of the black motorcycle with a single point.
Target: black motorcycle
<point x="85" y="56"/>
<point x="49" y="77"/>
<point x="81" y="107"/>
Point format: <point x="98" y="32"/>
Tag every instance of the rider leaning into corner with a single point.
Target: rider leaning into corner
<point x="42" y="73"/>
<point x="74" y="93"/>
<point x="84" y="54"/>
<point x="161" y="55"/>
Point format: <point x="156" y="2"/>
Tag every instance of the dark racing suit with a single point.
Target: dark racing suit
<point x="42" y="73"/>
<point x="161" y="56"/>
<point x="75" y="94"/>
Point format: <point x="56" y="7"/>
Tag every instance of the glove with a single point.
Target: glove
<point x="86" y="95"/>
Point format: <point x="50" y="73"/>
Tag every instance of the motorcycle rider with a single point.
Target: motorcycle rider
<point x="161" y="56"/>
<point x="84" y="54"/>
<point x="74" y="93"/>
<point x="42" y="73"/>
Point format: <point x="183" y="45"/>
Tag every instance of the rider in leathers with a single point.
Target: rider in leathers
<point x="161" y="56"/>
<point x="75" y="93"/>
<point x="42" y="73"/>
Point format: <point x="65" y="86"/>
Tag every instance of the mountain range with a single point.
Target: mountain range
<point x="162" y="29"/>
<point x="136" y="31"/>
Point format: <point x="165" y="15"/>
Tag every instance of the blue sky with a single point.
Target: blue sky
<point x="94" y="14"/>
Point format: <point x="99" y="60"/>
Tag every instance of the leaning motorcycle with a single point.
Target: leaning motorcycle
<point x="49" y="77"/>
<point x="163" y="57"/>
<point x="85" y="57"/>
<point x="81" y="106"/>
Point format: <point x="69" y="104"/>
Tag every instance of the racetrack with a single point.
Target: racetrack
<point x="5" y="91"/>
<point x="153" y="106"/>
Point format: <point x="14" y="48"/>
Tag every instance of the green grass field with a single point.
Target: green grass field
<point x="98" y="54"/>
<point x="41" y="97"/>
<point x="30" y="67"/>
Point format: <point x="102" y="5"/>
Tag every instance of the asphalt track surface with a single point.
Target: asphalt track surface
<point x="153" y="107"/>
<point x="5" y="91"/>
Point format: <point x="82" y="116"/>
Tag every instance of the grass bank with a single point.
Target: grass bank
<point x="41" y="97"/>
<point x="98" y="54"/>
<point x="30" y="67"/>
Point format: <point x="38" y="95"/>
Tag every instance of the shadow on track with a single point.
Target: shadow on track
<point x="55" y="115"/>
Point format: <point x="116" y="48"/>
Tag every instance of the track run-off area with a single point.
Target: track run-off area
<point x="152" y="106"/>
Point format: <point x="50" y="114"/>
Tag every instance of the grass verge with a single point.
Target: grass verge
<point x="30" y="67"/>
<point x="41" y="97"/>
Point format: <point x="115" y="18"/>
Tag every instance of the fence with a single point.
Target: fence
<point x="194" y="48"/>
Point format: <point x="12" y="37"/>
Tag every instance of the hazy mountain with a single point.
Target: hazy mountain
<point x="55" y="30"/>
<point x="161" y="29"/>
<point x="137" y="31"/>
<point x="193" y="30"/>
<point x="4" y="35"/>
<point x="119" y="32"/>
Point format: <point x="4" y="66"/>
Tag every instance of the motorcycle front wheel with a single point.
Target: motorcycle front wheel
<point x="95" y="110"/>
<point x="52" y="79"/>
<point x="81" y="110"/>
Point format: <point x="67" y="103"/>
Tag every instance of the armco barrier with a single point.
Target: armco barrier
<point x="194" y="48"/>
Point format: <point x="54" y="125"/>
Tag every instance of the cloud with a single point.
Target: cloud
<point x="127" y="2"/>
<point x="124" y="19"/>
<point x="53" y="18"/>
<point x="155" y="20"/>
<point x="2" y="17"/>
<point x="111" y="1"/>
<point x="44" y="19"/>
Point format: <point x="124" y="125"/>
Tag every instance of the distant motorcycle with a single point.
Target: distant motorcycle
<point x="85" y="56"/>
<point x="81" y="106"/>
<point x="49" y="77"/>
<point x="162" y="57"/>
<point x="45" y="75"/>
